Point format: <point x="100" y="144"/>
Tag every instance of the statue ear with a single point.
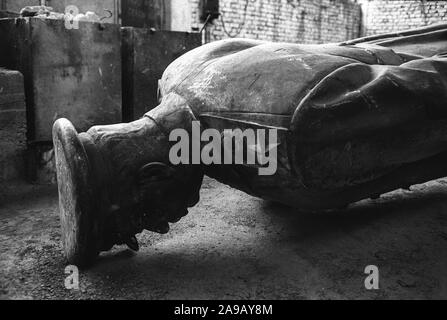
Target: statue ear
<point x="155" y="172"/>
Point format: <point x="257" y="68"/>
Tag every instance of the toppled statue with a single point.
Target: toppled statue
<point x="352" y="121"/>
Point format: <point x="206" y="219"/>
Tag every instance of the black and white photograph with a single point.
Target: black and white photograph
<point x="223" y="155"/>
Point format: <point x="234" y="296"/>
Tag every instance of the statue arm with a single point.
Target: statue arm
<point x="364" y="121"/>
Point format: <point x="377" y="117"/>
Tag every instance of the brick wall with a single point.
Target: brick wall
<point x="382" y="16"/>
<point x="299" y="21"/>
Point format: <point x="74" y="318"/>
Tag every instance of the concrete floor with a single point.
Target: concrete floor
<point x="233" y="246"/>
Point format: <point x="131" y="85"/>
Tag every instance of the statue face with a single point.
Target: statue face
<point x="165" y="193"/>
<point x="141" y="193"/>
<point x="160" y="195"/>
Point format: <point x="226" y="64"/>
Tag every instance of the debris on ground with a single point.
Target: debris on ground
<point x="48" y="13"/>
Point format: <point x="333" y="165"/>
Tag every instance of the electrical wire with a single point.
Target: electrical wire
<point x="206" y="23"/>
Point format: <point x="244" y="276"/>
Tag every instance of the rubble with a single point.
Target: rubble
<point x="48" y="13"/>
<point x="32" y="11"/>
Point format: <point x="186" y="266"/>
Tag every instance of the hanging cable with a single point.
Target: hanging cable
<point x="206" y="23"/>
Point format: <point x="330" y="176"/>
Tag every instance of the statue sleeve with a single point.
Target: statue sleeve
<point x="364" y="121"/>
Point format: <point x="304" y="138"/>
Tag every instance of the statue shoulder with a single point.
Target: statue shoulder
<point x="173" y="113"/>
<point x="193" y="61"/>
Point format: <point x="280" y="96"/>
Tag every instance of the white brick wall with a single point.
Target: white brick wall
<point x="381" y="16"/>
<point x="304" y="21"/>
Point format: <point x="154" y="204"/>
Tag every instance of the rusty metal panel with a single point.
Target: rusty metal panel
<point x="74" y="74"/>
<point x="146" y="55"/>
<point x="145" y="14"/>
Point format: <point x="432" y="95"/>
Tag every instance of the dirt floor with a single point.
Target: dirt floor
<point x="233" y="246"/>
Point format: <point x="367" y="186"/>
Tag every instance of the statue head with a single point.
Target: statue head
<point x="116" y="180"/>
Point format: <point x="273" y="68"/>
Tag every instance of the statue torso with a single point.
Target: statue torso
<point x="239" y="83"/>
